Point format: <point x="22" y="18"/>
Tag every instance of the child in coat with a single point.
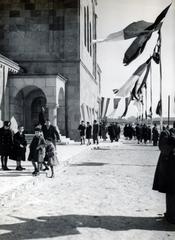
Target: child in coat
<point x="37" y="151"/>
<point x="50" y="157"/>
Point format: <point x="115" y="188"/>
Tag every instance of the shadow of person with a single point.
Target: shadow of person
<point x="56" y="226"/>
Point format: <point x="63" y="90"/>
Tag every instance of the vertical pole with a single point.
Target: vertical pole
<point x="161" y="117"/>
<point x="151" y="98"/>
<point x="168" y="110"/>
<point x="146" y="105"/>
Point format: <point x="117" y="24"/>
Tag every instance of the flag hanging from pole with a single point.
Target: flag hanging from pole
<point x="138" y="45"/>
<point x="104" y="106"/>
<point x="126" y="89"/>
<point x="107" y="105"/>
<point x="132" y="30"/>
<point x="127" y="102"/>
<point x="159" y="108"/>
<point x="116" y="102"/>
<point x="143" y="84"/>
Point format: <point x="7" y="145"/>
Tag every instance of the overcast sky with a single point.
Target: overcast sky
<point x="114" y="15"/>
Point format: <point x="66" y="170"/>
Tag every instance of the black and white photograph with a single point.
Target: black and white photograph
<point x="87" y="119"/>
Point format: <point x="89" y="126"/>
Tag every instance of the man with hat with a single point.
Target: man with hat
<point x="6" y="144"/>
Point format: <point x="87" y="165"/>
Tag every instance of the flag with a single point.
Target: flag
<point x="143" y="84"/>
<point x="138" y="45"/>
<point x="159" y="108"/>
<point x="131" y="31"/>
<point x="138" y="105"/>
<point x="128" y="86"/>
<point x="107" y="105"/>
<point x="127" y="102"/>
<point x="102" y="106"/>
<point x="116" y="102"/>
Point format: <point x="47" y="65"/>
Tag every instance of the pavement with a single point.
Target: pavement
<point x="103" y="193"/>
<point x="14" y="182"/>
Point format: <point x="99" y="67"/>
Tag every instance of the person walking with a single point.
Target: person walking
<point x="6" y="144"/>
<point x="19" y="149"/>
<point x="111" y="132"/>
<point x="88" y="133"/>
<point x="164" y="178"/>
<point x="37" y="151"/>
<point x="155" y="135"/>
<point x="50" y="131"/>
<point x="95" y="132"/>
<point x="82" y="129"/>
<point x="117" y="131"/>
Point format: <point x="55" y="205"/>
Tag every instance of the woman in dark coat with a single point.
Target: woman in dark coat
<point x="88" y="133"/>
<point x="6" y="144"/>
<point x="155" y="134"/>
<point x="20" y="145"/>
<point x="164" y="179"/>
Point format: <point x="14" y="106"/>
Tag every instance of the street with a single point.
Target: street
<point x="104" y="193"/>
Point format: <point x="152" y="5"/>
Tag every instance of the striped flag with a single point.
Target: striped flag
<point x="126" y="89"/>
<point x="127" y="102"/>
<point x="132" y="30"/>
<point x="138" y="45"/>
<point x="104" y="106"/>
<point x="116" y="102"/>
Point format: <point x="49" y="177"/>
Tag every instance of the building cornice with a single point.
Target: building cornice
<point x="12" y="66"/>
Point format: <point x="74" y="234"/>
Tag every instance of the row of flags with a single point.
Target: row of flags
<point x="133" y="87"/>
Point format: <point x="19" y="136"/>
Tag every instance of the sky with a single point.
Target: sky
<point x="114" y="15"/>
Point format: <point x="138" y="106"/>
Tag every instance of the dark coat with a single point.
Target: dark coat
<point x="51" y="132"/>
<point x="88" y="132"/>
<point x="18" y="151"/>
<point x="111" y="131"/>
<point x="6" y="142"/>
<point x="164" y="178"/>
<point x="35" y="154"/>
<point x="95" y="130"/>
<point x="82" y="128"/>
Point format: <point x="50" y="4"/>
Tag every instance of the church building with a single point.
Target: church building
<point x="47" y="60"/>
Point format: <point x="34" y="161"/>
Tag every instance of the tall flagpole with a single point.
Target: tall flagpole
<point x="168" y="110"/>
<point x="151" y="96"/>
<point x="161" y="116"/>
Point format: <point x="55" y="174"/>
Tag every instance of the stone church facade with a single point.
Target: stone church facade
<point x="50" y="43"/>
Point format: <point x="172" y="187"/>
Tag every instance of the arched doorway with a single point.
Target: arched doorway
<point x="27" y="105"/>
<point x="61" y="111"/>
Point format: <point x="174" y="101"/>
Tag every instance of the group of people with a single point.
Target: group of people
<point x="142" y="132"/>
<point x="42" y="149"/>
<point x="98" y="131"/>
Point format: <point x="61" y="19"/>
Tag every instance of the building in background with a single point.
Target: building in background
<point x="51" y="42"/>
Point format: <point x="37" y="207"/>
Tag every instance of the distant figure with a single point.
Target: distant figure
<point x="164" y="179"/>
<point x="111" y="132"/>
<point x="138" y="130"/>
<point x="82" y="129"/>
<point x="95" y="132"/>
<point x="103" y="131"/>
<point x="19" y="150"/>
<point x="155" y="135"/>
<point x="88" y="133"/>
<point x="117" y="131"/>
<point x="50" y="131"/>
<point x="6" y="144"/>
<point x="42" y="116"/>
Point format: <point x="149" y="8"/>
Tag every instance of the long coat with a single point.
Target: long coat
<point x="37" y="149"/>
<point x="18" y="151"/>
<point x="6" y="141"/>
<point x="164" y="179"/>
<point x="88" y="131"/>
<point x="51" y="132"/>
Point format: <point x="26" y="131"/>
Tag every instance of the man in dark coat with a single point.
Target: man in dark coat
<point x="164" y="179"/>
<point x="155" y="135"/>
<point x="138" y="130"/>
<point x="82" y="129"/>
<point x="111" y="132"/>
<point x="6" y="144"/>
<point x="117" y="131"/>
<point x="50" y="131"/>
<point x="88" y="133"/>
<point x="95" y="132"/>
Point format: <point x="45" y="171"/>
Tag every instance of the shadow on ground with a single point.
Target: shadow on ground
<point x="88" y="164"/>
<point x="56" y="226"/>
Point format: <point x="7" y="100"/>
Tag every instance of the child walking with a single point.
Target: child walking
<point x="37" y="151"/>
<point x="50" y="157"/>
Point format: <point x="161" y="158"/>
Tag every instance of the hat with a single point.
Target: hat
<point x="7" y="123"/>
<point x="37" y="129"/>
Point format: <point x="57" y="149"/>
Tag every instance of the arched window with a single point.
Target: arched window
<point x="85" y="26"/>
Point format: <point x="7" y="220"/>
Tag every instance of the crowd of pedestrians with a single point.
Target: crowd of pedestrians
<point x="142" y="132"/>
<point x="98" y="131"/>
